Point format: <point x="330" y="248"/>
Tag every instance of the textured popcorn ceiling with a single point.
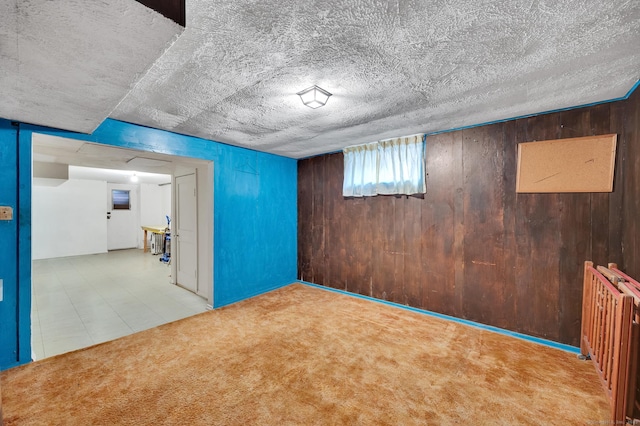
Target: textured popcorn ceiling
<point x="394" y="67"/>
<point x="68" y="63"/>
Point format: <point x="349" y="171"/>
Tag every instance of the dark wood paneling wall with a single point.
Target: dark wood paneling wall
<point x="628" y="120"/>
<point x="172" y="9"/>
<point x="472" y="247"/>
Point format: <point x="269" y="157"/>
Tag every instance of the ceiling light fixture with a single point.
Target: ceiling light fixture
<point x="314" y="97"/>
<point x="134" y="177"/>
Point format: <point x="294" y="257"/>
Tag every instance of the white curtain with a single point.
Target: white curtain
<point x="393" y="166"/>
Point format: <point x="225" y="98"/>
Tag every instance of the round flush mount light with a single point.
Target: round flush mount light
<point x="134" y="177"/>
<point x="314" y="97"/>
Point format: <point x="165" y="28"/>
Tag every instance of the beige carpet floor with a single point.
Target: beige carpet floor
<point x="305" y="356"/>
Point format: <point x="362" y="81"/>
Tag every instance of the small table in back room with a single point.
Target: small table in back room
<point x="153" y="229"/>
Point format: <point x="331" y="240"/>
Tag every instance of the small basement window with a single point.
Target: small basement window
<point x="121" y="200"/>
<point x="387" y="167"/>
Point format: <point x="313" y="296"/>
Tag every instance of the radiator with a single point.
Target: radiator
<point x="156" y="243"/>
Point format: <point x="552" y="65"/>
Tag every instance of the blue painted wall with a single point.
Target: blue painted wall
<point x="255" y="217"/>
<point x="8" y="244"/>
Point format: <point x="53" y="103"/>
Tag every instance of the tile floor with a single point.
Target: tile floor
<point x="84" y="300"/>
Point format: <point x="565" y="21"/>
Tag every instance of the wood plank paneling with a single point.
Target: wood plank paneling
<point x="619" y="115"/>
<point x="575" y="244"/>
<point x="398" y="249"/>
<point x="484" y="283"/>
<point x="305" y="219"/>
<point x="537" y="249"/>
<point x="334" y="236"/>
<point x="412" y="279"/>
<point x="383" y="248"/>
<point x="437" y="240"/>
<point x="631" y="201"/>
<point x="458" y="229"/>
<point x="472" y="247"/>
<point x="509" y="196"/>
<point x="362" y="237"/>
<point x="600" y="124"/>
<point x="318" y="221"/>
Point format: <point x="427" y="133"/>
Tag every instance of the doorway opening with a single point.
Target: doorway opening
<point x="105" y="279"/>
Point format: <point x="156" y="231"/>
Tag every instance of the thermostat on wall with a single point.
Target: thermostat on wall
<point x="6" y="213"/>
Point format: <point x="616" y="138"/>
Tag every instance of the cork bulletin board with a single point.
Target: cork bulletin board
<point x="567" y="165"/>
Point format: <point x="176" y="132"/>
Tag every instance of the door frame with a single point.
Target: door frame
<point x="111" y="133"/>
<point x="204" y="226"/>
<point x="175" y="238"/>
<point x="205" y="195"/>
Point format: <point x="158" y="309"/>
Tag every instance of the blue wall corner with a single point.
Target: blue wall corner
<point x="255" y="217"/>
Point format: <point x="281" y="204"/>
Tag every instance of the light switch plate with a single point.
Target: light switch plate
<point x="6" y="213"/>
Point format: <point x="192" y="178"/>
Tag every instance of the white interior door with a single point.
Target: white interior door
<point x="122" y="216"/>
<point x="185" y="233"/>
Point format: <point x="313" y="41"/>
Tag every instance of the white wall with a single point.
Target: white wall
<point x="165" y="204"/>
<point x="155" y="204"/>
<point x="69" y="219"/>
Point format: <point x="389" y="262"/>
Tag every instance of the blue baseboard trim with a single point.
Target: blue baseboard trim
<point x="544" y="342"/>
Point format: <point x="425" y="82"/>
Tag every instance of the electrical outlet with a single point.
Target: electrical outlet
<point x="6" y="213"/>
